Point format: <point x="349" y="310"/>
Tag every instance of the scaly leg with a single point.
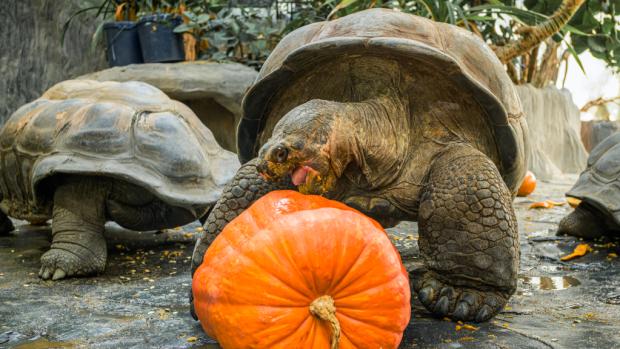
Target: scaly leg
<point x="78" y="246"/>
<point x="468" y="238"/>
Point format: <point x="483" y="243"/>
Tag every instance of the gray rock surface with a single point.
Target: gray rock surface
<point x="212" y="90"/>
<point x="141" y="299"/>
<point x="32" y="58"/>
<point x="554" y="131"/>
<point x="593" y="132"/>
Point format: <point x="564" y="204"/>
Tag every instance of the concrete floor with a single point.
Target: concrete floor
<point x="141" y="300"/>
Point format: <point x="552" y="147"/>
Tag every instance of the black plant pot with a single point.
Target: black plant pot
<point x="123" y="43"/>
<point x="158" y="40"/>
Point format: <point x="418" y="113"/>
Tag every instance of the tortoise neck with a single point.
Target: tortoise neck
<point x="378" y="139"/>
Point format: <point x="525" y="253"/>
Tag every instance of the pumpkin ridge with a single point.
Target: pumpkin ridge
<point x="263" y="267"/>
<point x="368" y="322"/>
<point x="345" y="318"/>
<point x="291" y="259"/>
<point x="286" y="335"/>
<point x="301" y="325"/>
<point x="341" y="286"/>
<point x="335" y="281"/>
<point x="338" y="284"/>
<point x="341" y="298"/>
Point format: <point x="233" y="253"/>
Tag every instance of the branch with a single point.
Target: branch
<point x="598" y="101"/>
<point x="532" y="36"/>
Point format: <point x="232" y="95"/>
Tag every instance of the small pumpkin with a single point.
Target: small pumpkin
<point x="302" y="271"/>
<point x="528" y="185"/>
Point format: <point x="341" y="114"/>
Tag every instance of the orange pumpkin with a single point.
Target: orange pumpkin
<point x="528" y="185"/>
<point x="302" y="271"/>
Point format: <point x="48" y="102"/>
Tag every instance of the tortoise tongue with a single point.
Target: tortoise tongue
<point x="299" y="175"/>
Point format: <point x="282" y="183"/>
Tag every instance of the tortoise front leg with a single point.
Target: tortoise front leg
<point x="246" y="187"/>
<point x="468" y="238"/>
<point x="78" y="246"/>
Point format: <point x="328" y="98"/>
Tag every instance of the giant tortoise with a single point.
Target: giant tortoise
<point x="88" y="152"/>
<point x="598" y="188"/>
<point x="402" y="118"/>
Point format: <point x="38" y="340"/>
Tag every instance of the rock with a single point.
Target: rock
<point x="593" y="132"/>
<point x="32" y="58"/>
<point x="554" y="131"/>
<point x="212" y="90"/>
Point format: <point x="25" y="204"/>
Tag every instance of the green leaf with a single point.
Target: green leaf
<point x="576" y="56"/>
<point x="570" y="29"/>
<point x="182" y="28"/>
<point x="65" y="26"/>
<point x="340" y="6"/>
<point x="596" y="44"/>
<point x="97" y="37"/>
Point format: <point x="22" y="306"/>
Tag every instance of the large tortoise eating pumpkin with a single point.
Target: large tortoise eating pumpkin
<point x="87" y="152"/>
<point x="402" y="118"/>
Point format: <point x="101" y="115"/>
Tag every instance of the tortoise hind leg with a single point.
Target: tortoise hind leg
<point x="582" y="222"/>
<point x="6" y="225"/>
<point x="468" y="238"/>
<point x="78" y="246"/>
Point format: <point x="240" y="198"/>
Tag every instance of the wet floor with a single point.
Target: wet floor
<point x="141" y="300"/>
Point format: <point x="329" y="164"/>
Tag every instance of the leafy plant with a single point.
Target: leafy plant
<point x="593" y="27"/>
<point x="235" y="34"/>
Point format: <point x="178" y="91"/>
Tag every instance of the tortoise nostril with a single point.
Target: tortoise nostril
<point x="280" y="154"/>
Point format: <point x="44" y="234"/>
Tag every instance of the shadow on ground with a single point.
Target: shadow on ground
<point x="141" y="300"/>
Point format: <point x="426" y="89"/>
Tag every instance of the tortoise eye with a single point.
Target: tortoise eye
<point x="280" y="154"/>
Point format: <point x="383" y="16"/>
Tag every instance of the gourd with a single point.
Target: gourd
<point x="302" y="271"/>
<point x="527" y="185"/>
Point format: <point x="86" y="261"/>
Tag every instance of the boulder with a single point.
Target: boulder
<point x="554" y="131"/>
<point x="212" y="90"/>
<point x="593" y="132"/>
<point x="33" y="59"/>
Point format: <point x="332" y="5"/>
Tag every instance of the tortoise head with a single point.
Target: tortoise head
<point x="304" y="146"/>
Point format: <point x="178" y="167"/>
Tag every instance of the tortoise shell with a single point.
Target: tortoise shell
<point x="599" y="183"/>
<point x="129" y="131"/>
<point x="436" y="63"/>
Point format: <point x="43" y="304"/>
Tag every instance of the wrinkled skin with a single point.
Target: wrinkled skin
<point x="359" y="153"/>
<point x="81" y="206"/>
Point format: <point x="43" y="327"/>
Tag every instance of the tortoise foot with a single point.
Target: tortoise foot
<point x="58" y="264"/>
<point x="458" y="302"/>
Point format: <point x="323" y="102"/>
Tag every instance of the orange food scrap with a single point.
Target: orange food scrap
<point x="579" y="251"/>
<point x="470" y="327"/>
<point x="573" y="202"/>
<point x="466" y="339"/>
<point x="547" y="204"/>
<point x="541" y="204"/>
<point x="612" y="255"/>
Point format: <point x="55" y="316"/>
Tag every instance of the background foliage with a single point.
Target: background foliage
<point x="246" y="31"/>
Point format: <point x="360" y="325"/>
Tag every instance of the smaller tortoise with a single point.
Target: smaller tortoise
<point x="88" y="152"/>
<point x="598" y="188"/>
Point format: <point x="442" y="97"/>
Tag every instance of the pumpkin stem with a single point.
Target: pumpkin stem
<point x="324" y="309"/>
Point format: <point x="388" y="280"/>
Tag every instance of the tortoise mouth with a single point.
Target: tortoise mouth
<point x="300" y="175"/>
